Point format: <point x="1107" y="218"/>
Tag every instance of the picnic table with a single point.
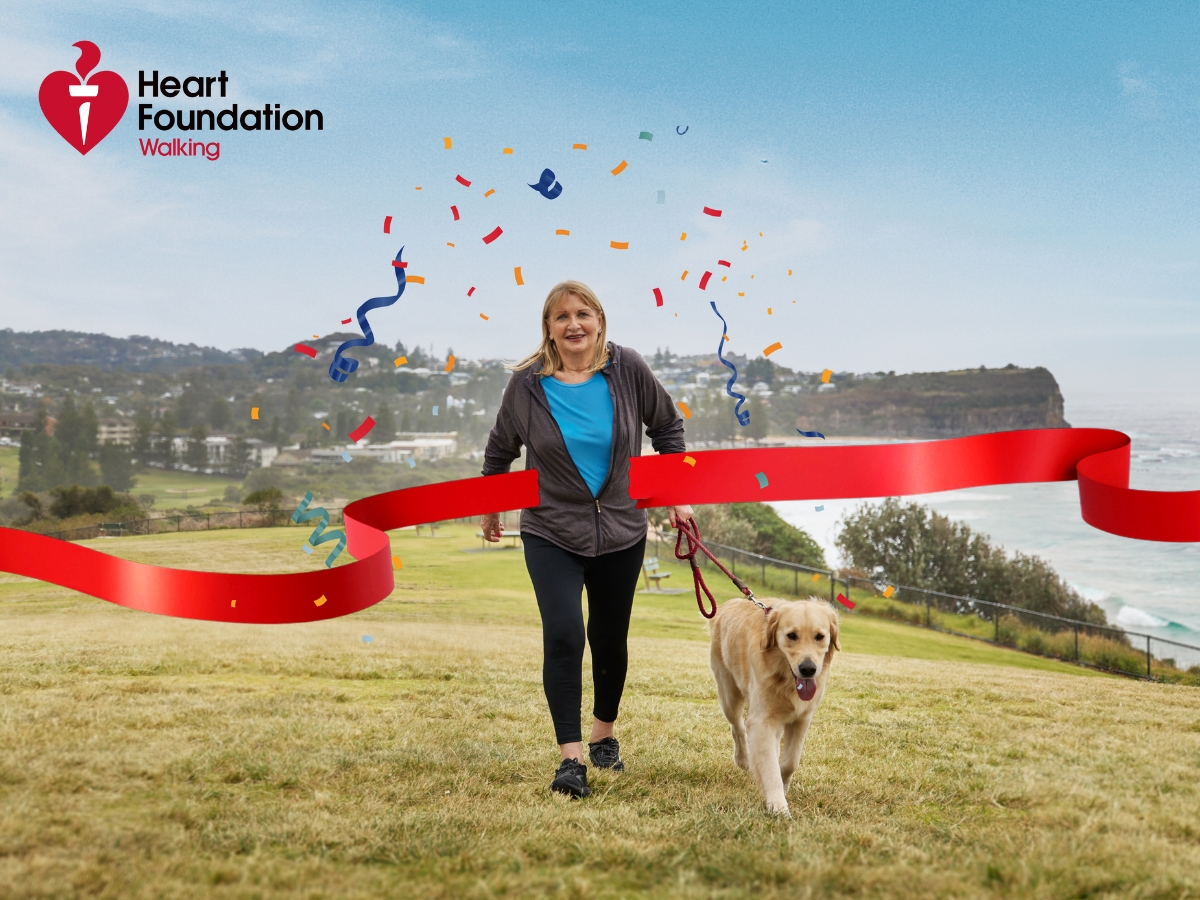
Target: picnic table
<point x="513" y="536"/>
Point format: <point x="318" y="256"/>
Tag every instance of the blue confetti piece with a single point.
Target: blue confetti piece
<point x="812" y="434"/>
<point x="762" y="480"/>
<point x="544" y="185"/>
<point x="645" y="136"/>
<point x="307" y="549"/>
<point x="341" y="368"/>
<point x="367" y="639"/>
<point x="743" y="416"/>
<point x="820" y="509"/>
<point x="346" y="456"/>
<point x="304" y="514"/>
<point x="435" y="410"/>
<point x="412" y="463"/>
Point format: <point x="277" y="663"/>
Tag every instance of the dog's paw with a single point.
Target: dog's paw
<point x="779" y="808"/>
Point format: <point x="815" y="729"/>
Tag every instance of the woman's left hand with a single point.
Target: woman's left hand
<point x="680" y="514"/>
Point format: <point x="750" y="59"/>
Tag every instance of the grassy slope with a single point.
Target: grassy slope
<point x="142" y="756"/>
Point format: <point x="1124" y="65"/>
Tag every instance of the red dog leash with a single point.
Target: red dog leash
<point x="691" y="531"/>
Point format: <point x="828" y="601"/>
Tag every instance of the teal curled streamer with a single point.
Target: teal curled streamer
<point x="304" y="514"/>
<point x="743" y="416"/>
<point x="342" y="367"/>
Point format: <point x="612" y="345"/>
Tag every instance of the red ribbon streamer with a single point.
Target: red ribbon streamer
<point x="658" y="300"/>
<point x="462" y="181"/>
<point x="306" y="350"/>
<point x="1098" y="458"/>
<point x="362" y="430"/>
<point x="493" y="234"/>
<point x="704" y="280"/>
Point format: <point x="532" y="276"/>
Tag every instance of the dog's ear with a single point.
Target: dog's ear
<point x="834" y="643"/>
<point x="772" y="625"/>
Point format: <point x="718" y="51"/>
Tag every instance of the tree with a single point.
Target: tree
<point x="164" y="442"/>
<point x="39" y="468"/>
<point x="758" y="528"/>
<point x="264" y="499"/>
<point x="196" y="454"/>
<point x="116" y="467"/>
<point x="292" y="413"/>
<point x="761" y="369"/>
<point x="385" y="424"/>
<point x="219" y="414"/>
<point x="143" y="431"/>
<point x="759" y="423"/>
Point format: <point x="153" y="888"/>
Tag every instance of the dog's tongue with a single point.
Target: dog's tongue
<point x="806" y="687"/>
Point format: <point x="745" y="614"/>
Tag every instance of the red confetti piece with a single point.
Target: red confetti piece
<point x="306" y="350"/>
<point x="454" y="209"/>
<point x="466" y="183"/>
<point x="362" y="430"/>
<point x="399" y="265"/>
<point x="491" y="236"/>
<point x="849" y="604"/>
<point x="704" y="280"/>
<point x="347" y="321"/>
<point x="721" y="262"/>
<point x="471" y="291"/>
<point x="712" y="212"/>
<point x="387" y="224"/>
<point x="658" y="301"/>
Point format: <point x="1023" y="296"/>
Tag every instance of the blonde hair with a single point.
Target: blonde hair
<point x="547" y="353"/>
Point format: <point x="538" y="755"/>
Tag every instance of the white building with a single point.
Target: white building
<point x="114" y="431"/>
<point x="435" y="445"/>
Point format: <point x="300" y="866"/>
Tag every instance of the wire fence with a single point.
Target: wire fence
<point x="1103" y="647"/>
<point x="212" y="521"/>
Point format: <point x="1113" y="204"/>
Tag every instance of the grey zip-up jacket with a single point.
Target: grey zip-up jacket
<point x="568" y="515"/>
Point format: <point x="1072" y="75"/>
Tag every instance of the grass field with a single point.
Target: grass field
<point x="151" y="757"/>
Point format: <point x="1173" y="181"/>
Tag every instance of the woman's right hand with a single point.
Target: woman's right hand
<point x="491" y="527"/>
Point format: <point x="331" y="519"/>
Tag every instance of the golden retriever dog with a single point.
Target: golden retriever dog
<point x="776" y="664"/>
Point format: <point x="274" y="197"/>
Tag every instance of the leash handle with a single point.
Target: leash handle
<point x="690" y="531"/>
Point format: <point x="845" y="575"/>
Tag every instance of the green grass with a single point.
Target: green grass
<point x="142" y="756"/>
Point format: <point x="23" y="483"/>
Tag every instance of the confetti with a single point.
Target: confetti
<point x="743" y="416"/>
<point x="517" y="275"/>
<point x="306" y="350"/>
<point x="446" y="141"/>
<point x="362" y="430"/>
<point x="307" y="549"/>
<point x="888" y="591"/>
<point x="658" y="301"/>
<point x="725" y="263"/>
<point x="316" y="335"/>
<point x="320" y="601"/>
<point x="412" y="463"/>
<point x="450" y="363"/>
<point x="566" y="232"/>
<point x="768" y="308"/>
<point x="683" y="236"/>
<point x="471" y="291"/>
<point x="254" y="412"/>
<point x="367" y="639"/>
<point x="489" y="192"/>
<point x="387" y="224"/>
<point x="724" y="277"/>
<point x="448" y="244"/>
<point x="704" y="280"/>
<point x="744" y="245"/>
<point x="740" y="293"/>
<point x="417" y="188"/>
<point x="690" y="460"/>
<point x="462" y="181"/>
<point x="347" y="321"/>
<point x="825" y="376"/>
<point x="233" y="602"/>
<point x="579" y="146"/>
<point x="493" y="234"/>
<point x="683" y="408"/>
<point x="662" y="196"/>
<point x="325" y="425"/>
<point x="645" y="136"/>
<point x="416" y="279"/>
<point x="708" y="211"/>
<point x="304" y="514"/>
<point x="820" y="508"/>
<point x="454" y="210"/>
<point x="816" y="577"/>
<point x="396" y="564"/>
<point x="811" y="434"/>
<point x="685" y="129"/>
<point x="762" y="480"/>
<point x="849" y="604"/>
<point x="775" y="346"/>
<point x="435" y="409"/>
<point x="399" y="361"/>
<point x="482" y="316"/>
<point x="620" y="167"/>
<point x="507" y="150"/>
<point x="619" y="245"/>
<point x="346" y="456"/>
<point x="789" y="272"/>
<point x="547" y="186"/>
<point x="683" y="277"/>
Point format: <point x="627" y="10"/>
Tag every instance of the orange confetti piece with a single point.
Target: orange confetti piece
<point x="683" y="237"/>
<point x="691" y="461"/>
<point x="563" y="231"/>
<point x="579" y="146"/>
<point x="724" y="277"/>
<point x="320" y="601"/>
<point x="254" y="412"/>
<point x="517" y="275"/>
<point x="396" y="564"/>
<point x="447" y="142"/>
<point x="507" y="150"/>
<point x="417" y="188"/>
<point x="775" y="346"/>
<point x="489" y="192"/>
<point x="448" y="244"/>
<point x="415" y="279"/>
<point x="888" y="591"/>
<point x="450" y="362"/>
<point x="482" y="316"/>
<point x="683" y="277"/>
<point x="325" y="425"/>
<point x="760" y="234"/>
<point x="789" y="271"/>
<point x="683" y="408"/>
<point x="769" y="311"/>
<point x="725" y="336"/>
<point x="816" y="577"/>
<point x="619" y="245"/>
<point x="825" y="376"/>
<point x="741" y="293"/>
<point x="620" y="167"/>
<point x="399" y="361"/>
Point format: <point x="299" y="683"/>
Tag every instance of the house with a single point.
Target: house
<point x="422" y="446"/>
<point x="12" y="423"/>
<point x="219" y="449"/>
<point x="115" y="431"/>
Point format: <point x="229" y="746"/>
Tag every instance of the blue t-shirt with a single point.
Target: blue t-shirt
<point x="584" y="413"/>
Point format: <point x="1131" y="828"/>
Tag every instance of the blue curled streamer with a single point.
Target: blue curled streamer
<point x="812" y="434"/>
<point x="547" y="186"/>
<point x="342" y="367"/>
<point x="304" y="514"/>
<point x="743" y="416"/>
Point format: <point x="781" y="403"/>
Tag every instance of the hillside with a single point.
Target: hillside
<point x="133" y="354"/>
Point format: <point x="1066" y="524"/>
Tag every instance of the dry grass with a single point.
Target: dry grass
<point x="150" y="757"/>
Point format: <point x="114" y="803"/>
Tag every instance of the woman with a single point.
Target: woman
<point x="578" y="405"/>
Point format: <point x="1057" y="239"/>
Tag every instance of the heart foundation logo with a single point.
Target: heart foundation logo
<point x="84" y="109"/>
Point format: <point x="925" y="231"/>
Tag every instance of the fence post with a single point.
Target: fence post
<point x="1077" y="643"/>
<point x="796" y="572"/>
<point x="733" y="560"/>
<point x="208" y="521"/>
<point x="1147" y="656"/>
<point x="928" y="603"/>
<point x="996" y="617"/>
<point x="764" y="573"/>
<point x="831" y="599"/>
<point x="177" y="521"/>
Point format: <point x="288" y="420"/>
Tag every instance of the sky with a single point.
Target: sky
<point x="951" y="185"/>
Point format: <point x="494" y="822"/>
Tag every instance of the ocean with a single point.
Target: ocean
<point x="1144" y="586"/>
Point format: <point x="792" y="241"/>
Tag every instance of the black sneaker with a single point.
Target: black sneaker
<point x="571" y="779"/>
<point x="606" y="754"/>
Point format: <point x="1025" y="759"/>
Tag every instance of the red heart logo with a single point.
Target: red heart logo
<point x="81" y="109"/>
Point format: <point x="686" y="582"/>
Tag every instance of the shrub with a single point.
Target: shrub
<point x="78" y="501"/>
<point x="264" y="499"/>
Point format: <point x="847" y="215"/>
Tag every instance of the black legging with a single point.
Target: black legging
<point x="559" y="577"/>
